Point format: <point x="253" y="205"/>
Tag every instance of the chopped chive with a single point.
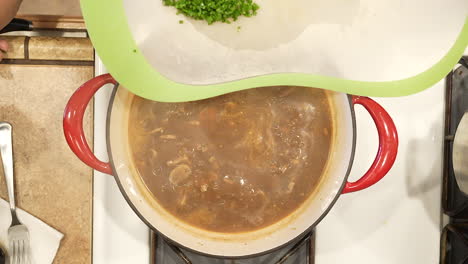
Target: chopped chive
<point x="213" y="11"/>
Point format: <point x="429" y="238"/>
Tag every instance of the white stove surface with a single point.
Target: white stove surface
<point x="399" y="219"/>
<point x="119" y="236"/>
<point x="396" y="221"/>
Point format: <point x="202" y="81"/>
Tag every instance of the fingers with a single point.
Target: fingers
<point x="3" y="46"/>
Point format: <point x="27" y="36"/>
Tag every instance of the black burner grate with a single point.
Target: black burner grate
<point x="301" y="252"/>
<point x="454" y="239"/>
<point x="454" y="244"/>
<point x="454" y="202"/>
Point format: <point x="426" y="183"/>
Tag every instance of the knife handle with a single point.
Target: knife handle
<point x="17" y="24"/>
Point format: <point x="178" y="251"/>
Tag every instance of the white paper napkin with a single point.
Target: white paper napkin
<point x="45" y="240"/>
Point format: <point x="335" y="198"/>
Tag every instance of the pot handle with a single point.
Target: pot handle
<point x="73" y="122"/>
<point x="388" y="145"/>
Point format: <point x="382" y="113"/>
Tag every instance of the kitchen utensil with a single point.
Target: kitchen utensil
<point x="298" y="42"/>
<point x="239" y="244"/>
<point x="460" y="154"/>
<point x="44" y="240"/>
<point x="18" y="234"/>
<point x="17" y="24"/>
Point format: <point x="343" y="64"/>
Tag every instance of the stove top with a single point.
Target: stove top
<point x="369" y="227"/>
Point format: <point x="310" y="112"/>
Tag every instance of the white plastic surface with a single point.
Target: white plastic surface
<point x="119" y="236"/>
<point x="390" y="39"/>
<point x="399" y="219"/>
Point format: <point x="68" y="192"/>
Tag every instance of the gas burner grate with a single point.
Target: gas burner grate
<point x="454" y="244"/>
<point x="301" y="252"/>
<point x="454" y="202"/>
<point x="454" y="238"/>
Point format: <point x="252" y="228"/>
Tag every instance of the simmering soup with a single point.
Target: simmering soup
<point x="234" y="163"/>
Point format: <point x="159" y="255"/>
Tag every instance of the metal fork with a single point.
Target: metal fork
<point x="18" y="234"/>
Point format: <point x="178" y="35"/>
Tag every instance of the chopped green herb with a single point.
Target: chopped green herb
<point x="181" y="21"/>
<point x="213" y="11"/>
<point x="238" y="28"/>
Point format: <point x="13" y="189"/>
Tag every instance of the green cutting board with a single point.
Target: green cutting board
<point x="383" y="48"/>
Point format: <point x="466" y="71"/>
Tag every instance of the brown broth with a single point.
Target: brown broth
<point x="234" y="163"/>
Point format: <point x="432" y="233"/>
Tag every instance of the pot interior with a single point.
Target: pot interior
<point x="231" y="244"/>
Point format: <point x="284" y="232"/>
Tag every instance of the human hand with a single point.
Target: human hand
<point x="3" y="48"/>
<point x="8" y="9"/>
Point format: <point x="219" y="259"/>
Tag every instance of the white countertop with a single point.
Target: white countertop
<point x="397" y="220"/>
<point x="400" y="219"/>
<point x="119" y="236"/>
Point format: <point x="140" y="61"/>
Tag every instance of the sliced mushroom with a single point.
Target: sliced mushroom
<point x="182" y="201"/>
<point x="228" y="180"/>
<point x="194" y="122"/>
<point x="154" y="154"/>
<point x="290" y="187"/>
<point x="156" y="130"/>
<point x="178" y="160"/>
<point x="180" y="174"/>
<point x="168" y="137"/>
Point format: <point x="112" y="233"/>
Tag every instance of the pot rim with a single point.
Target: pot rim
<point x="292" y="240"/>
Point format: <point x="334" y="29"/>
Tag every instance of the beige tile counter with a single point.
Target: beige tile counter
<point x="51" y="7"/>
<point x="51" y="182"/>
<point x="37" y="78"/>
<point x="49" y="48"/>
<point x="16" y="47"/>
